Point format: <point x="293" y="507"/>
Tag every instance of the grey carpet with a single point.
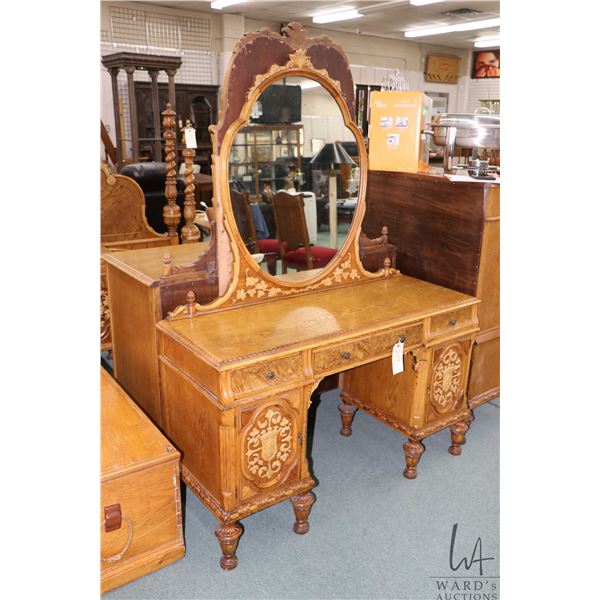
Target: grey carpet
<point x="374" y="534"/>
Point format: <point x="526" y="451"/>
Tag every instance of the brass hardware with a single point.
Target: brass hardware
<point x="112" y="517"/>
<point x="452" y="322"/>
<point x="270" y="374"/>
<point x="345" y="355"/>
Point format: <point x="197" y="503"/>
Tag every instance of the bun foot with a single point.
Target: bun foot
<point x="228" y="536"/>
<point x="302" y="505"/>
<point x="457" y="434"/>
<point x="412" y="452"/>
<point x="347" y="414"/>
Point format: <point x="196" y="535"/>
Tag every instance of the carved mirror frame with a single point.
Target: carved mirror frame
<point x="260" y="59"/>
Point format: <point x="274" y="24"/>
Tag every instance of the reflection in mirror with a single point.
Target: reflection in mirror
<point x="294" y="177"/>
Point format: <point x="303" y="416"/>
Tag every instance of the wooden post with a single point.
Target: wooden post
<point x="172" y="99"/>
<point x="190" y="231"/>
<point x="114" y="73"/>
<point x="171" y="212"/>
<point x="132" y="113"/>
<point x="155" y="114"/>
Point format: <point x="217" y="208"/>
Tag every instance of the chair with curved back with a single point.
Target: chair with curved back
<point x="240" y="203"/>
<point x="295" y="249"/>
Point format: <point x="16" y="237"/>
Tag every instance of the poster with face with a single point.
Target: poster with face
<point x="486" y="64"/>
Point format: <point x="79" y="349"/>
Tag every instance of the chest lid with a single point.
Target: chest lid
<point x="129" y="439"/>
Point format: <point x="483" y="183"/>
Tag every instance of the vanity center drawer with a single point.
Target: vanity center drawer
<point x="348" y="354"/>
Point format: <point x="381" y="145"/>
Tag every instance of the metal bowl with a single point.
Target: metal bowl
<point x="466" y="130"/>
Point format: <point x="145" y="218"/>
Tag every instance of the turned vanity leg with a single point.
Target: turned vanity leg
<point x="412" y="451"/>
<point x="347" y="411"/>
<point x="302" y="505"/>
<point x="228" y="535"/>
<point x="457" y="433"/>
<point x="272" y="264"/>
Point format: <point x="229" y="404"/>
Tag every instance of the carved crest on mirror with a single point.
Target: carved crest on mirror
<point x="261" y="59"/>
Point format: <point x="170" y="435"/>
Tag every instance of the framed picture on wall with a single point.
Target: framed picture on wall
<point x="442" y="69"/>
<point x="486" y="64"/>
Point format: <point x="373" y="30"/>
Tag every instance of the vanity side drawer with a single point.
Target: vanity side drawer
<point x="267" y="374"/>
<point x="341" y="356"/>
<point x="452" y="321"/>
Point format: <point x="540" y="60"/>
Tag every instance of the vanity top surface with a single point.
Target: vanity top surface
<point x="146" y="264"/>
<point x="293" y="323"/>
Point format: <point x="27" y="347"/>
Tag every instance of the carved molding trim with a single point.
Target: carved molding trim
<point x="240" y="512"/>
<point x="447" y="379"/>
<point x="268" y="445"/>
<point x="298" y="60"/>
<point x="255" y="287"/>
<point x="415" y="434"/>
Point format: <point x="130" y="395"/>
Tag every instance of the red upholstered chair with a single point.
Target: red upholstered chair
<point x="240" y="203"/>
<point x="294" y="245"/>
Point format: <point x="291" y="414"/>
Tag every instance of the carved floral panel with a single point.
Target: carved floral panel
<point x="268" y="445"/>
<point x="447" y="379"/>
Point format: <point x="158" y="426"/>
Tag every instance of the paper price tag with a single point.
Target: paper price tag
<point x="398" y="357"/>
<point x="190" y="138"/>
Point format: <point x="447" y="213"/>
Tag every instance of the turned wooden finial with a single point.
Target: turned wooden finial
<point x="384" y="234"/>
<point x="166" y="265"/>
<point x="171" y="212"/>
<point x="387" y="267"/>
<point x="190" y="303"/>
<point x="190" y="231"/>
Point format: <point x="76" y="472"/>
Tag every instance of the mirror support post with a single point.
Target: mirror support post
<point x="332" y="207"/>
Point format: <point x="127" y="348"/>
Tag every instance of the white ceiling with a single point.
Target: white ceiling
<point x="381" y="18"/>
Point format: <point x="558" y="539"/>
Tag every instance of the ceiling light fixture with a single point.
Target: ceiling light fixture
<point x="487" y="43"/>
<point x="219" y="4"/>
<point x="341" y="15"/>
<point x="484" y="24"/>
<point x="424" y="2"/>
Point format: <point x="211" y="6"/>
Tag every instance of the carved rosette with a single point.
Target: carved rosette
<point x="447" y="379"/>
<point x="268" y="446"/>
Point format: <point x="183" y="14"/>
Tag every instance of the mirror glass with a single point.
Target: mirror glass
<point x="294" y="178"/>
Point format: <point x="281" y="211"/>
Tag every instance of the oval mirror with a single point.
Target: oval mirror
<point x="294" y="178"/>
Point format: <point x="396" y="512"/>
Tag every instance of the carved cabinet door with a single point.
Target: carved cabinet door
<point x="271" y="443"/>
<point x="448" y="379"/>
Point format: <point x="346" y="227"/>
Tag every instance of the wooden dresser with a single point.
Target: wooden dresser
<point x="447" y="233"/>
<point x="236" y="386"/>
<point x="141" y="293"/>
<point x="140" y="502"/>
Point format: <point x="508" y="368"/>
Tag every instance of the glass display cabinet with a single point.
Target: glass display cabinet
<point x="266" y="155"/>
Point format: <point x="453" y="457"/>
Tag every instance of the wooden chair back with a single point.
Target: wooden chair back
<point x="242" y="211"/>
<point x="290" y="221"/>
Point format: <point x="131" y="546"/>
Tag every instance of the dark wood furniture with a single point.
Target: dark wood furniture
<point x="295" y="249"/>
<point x="153" y="64"/>
<point x="448" y="233"/>
<point x="198" y="103"/>
<point x="140" y="499"/>
<point x="363" y="98"/>
<point x="237" y="374"/>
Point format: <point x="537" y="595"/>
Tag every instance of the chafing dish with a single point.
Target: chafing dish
<point x="457" y="130"/>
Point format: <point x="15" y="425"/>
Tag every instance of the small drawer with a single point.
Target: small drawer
<point x="452" y="321"/>
<point x="267" y="374"/>
<point x="384" y="342"/>
<point x="341" y="357"/>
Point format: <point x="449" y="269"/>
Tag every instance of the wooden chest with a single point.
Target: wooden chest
<point x="140" y="500"/>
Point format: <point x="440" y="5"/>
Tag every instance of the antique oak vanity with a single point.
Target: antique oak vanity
<point x="237" y="374"/>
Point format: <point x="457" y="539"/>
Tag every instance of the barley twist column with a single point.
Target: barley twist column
<point x="189" y="232"/>
<point x="171" y="212"/>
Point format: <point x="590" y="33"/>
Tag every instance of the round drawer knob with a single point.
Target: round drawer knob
<point x="453" y="322"/>
<point x="402" y="338"/>
<point x="345" y="355"/>
<point x="270" y="374"/>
